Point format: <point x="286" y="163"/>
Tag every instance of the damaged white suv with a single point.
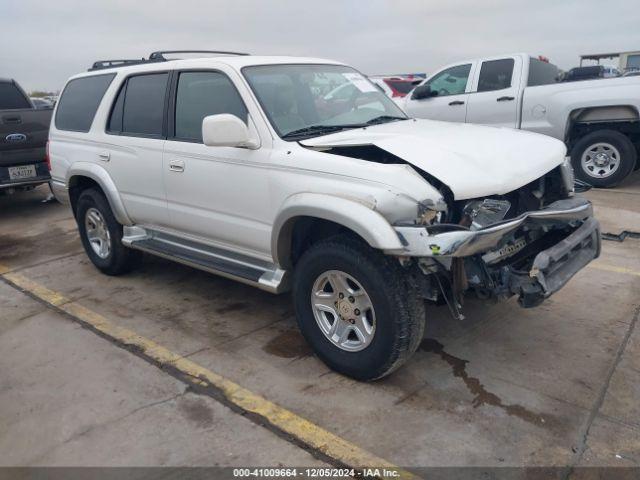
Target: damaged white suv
<point x="248" y="167"/>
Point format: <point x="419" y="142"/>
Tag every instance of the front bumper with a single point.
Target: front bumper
<point x="553" y="268"/>
<point x="461" y="242"/>
<point x="550" y="269"/>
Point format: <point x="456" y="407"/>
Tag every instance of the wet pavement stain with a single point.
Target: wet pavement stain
<point x="56" y="241"/>
<point x="481" y="395"/>
<point x="289" y="344"/>
<point x="232" y="307"/>
<point x="197" y="411"/>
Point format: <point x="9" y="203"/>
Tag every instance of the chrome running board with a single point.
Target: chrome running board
<point x="263" y="275"/>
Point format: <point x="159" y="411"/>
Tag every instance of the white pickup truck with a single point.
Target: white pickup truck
<point x="596" y="119"/>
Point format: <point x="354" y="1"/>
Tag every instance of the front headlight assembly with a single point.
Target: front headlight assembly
<point x="568" y="177"/>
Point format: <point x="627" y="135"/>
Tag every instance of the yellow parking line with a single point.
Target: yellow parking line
<point x="22" y="282"/>
<point x="288" y="422"/>
<point x="613" y="268"/>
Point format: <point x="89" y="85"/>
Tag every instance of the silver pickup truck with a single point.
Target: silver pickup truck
<point x="597" y="119"/>
<point x="23" y="138"/>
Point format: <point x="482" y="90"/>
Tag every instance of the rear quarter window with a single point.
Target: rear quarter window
<point x="542" y="73"/>
<point x="79" y="102"/>
<point x="11" y="98"/>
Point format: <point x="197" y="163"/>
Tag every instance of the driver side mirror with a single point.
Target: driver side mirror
<point x="423" y="91"/>
<point x="226" y="130"/>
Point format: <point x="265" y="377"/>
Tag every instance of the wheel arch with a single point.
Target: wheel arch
<point x="582" y="121"/>
<point x="311" y="212"/>
<point x="86" y="175"/>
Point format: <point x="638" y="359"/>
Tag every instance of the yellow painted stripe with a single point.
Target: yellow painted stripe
<point x="613" y="268"/>
<point x="298" y="427"/>
<point x="49" y="296"/>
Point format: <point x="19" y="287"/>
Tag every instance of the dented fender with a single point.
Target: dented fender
<point x="358" y="215"/>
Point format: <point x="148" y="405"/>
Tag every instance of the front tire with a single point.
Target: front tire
<point x="603" y="158"/>
<point x="356" y="309"/>
<point x="101" y="235"/>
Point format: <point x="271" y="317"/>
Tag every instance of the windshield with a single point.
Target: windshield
<point x="303" y="101"/>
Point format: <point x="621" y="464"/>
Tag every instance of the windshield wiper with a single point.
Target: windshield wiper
<point x="319" y="130"/>
<point x="384" y="119"/>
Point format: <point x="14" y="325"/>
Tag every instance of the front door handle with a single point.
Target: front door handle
<point x="456" y="102"/>
<point x="505" y="99"/>
<point x="176" y="166"/>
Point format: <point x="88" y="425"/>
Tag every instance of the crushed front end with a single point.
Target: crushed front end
<point x="529" y="243"/>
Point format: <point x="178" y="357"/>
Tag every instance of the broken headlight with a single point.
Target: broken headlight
<point x="568" y="177"/>
<point x="478" y="214"/>
<point x="430" y="212"/>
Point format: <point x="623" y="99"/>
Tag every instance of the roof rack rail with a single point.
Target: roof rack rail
<point x="101" y="64"/>
<point x="159" y="56"/>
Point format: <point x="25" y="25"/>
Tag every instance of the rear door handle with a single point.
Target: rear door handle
<point x="456" y="102"/>
<point x="176" y="166"/>
<point x="505" y="99"/>
<point x="104" y="156"/>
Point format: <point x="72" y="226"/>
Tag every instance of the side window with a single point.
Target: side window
<point x="79" y="102"/>
<point x="139" y="107"/>
<point x="201" y="94"/>
<point x="495" y="75"/>
<point x="452" y="81"/>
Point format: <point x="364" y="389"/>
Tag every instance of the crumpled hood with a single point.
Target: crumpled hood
<point x="473" y="161"/>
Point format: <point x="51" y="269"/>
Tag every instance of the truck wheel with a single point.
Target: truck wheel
<point x="356" y="309"/>
<point x="101" y="235"/>
<point x="603" y="158"/>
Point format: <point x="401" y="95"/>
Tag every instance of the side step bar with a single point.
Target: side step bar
<point x="244" y="269"/>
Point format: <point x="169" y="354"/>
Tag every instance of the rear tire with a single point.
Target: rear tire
<point x="101" y="235"/>
<point x="396" y="317"/>
<point x="617" y="158"/>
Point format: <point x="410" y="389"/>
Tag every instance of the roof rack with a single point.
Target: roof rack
<point x="155" y="56"/>
<point x="158" y="56"/>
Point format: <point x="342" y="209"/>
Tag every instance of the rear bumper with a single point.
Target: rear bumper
<point x="42" y="176"/>
<point x="60" y="191"/>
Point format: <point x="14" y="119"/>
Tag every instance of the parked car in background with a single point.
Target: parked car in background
<point x="41" y="103"/>
<point x="23" y="138"/>
<point x="395" y="87"/>
<point x="596" y="119"/>
<point x="611" y="72"/>
<point x="590" y="73"/>
<point x="632" y="73"/>
<point x="242" y="166"/>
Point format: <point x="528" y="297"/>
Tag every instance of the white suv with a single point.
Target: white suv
<point x="243" y="166"/>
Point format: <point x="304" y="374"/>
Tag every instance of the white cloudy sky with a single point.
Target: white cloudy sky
<point x="43" y="42"/>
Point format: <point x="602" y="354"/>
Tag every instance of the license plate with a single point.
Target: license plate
<point x="22" y="172"/>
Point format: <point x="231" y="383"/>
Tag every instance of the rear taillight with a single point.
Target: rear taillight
<point x="47" y="158"/>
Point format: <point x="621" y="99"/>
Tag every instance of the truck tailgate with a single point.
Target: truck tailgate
<point x="23" y="136"/>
